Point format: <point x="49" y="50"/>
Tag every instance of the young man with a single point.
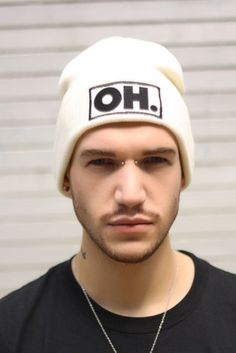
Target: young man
<point x="123" y="154"/>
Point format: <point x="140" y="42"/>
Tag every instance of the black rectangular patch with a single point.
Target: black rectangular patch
<point x="125" y="97"/>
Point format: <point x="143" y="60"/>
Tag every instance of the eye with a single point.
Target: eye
<point x="153" y="160"/>
<point x="102" y="162"/>
<point x="153" y="163"/>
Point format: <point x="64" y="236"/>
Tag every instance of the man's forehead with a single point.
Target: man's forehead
<point x="142" y="136"/>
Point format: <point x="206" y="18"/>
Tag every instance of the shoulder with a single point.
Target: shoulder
<point x="219" y="275"/>
<point x="220" y="284"/>
<point x="29" y="292"/>
<point x="214" y="272"/>
<point x="16" y="307"/>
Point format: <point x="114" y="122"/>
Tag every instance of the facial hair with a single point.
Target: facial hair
<point x="97" y="236"/>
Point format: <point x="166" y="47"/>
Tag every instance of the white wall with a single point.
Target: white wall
<point x="37" y="226"/>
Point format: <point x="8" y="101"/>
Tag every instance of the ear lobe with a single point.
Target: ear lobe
<point x="66" y="188"/>
<point x="66" y="185"/>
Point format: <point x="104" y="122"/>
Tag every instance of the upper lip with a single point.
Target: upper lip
<point x="130" y="221"/>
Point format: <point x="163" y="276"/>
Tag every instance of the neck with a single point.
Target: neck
<point x="131" y="289"/>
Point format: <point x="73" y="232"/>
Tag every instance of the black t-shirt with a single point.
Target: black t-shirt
<point x="51" y="315"/>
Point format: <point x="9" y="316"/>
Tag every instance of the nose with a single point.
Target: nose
<point x="130" y="190"/>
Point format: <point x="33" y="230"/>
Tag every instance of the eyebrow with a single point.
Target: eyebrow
<point x="96" y="152"/>
<point x="107" y="153"/>
<point x="160" y="150"/>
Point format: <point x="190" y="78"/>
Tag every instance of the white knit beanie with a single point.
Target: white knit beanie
<point x="121" y="80"/>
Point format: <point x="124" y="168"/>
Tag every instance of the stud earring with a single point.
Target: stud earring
<point x="66" y="188"/>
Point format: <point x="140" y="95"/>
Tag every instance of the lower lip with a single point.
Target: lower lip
<point x="131" y="228"/>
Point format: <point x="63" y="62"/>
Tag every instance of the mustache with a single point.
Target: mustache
<point x="130" y="212"/>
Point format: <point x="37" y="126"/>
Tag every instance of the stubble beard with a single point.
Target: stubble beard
<point x="85" y="220"/>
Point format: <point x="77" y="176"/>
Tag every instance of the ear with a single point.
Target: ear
<point x="67" y="185"/>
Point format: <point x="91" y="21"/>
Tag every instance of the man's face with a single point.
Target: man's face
<point x="125" y="181"/>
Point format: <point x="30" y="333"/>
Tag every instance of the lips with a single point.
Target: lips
<point x="130" y="225"/>
<point x="126" y="221"/>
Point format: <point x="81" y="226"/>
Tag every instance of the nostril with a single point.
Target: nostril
<point x="129" y="196"/>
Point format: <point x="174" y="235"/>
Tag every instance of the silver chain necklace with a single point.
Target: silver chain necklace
<point x="170" y="291"/>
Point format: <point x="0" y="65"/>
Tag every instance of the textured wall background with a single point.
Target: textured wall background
<point x="37" y="38"/>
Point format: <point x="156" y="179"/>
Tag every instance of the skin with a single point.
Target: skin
<point x="126" y="196"/>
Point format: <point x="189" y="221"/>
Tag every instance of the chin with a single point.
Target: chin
<point x="131" y="256"/>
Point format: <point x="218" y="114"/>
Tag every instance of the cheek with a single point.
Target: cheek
<point x="164" y="186"/>
<point x="172" y="181"/>
<point x="91" y="196"/>
<point x="165" y="193"/>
